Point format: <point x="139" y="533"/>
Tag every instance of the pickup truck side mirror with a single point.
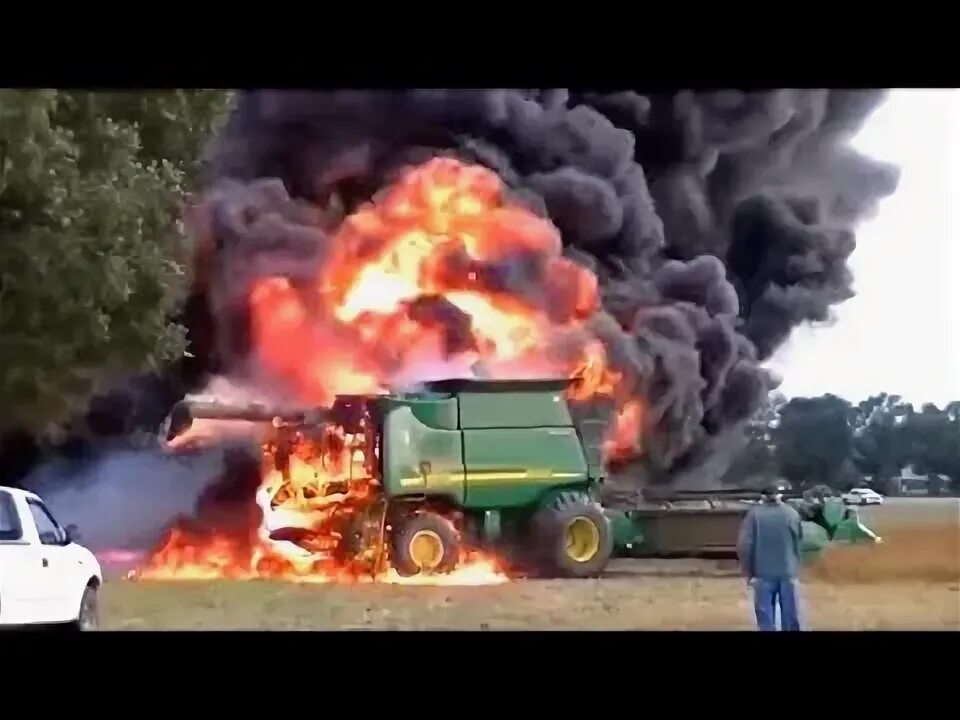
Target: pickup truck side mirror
<point x="72" y="534"/>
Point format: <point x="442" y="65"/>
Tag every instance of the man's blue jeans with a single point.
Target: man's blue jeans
<point x="768" y="595"/>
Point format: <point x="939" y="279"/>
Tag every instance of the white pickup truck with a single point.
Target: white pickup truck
<point x="45" y="576"/>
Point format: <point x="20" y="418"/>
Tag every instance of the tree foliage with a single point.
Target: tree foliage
<point x="933" y="439"/>
<point x="880" y="445"/>
<point x="827" y="440"/>
<point x="90" y="191"/>
<point x="814" y="441"/>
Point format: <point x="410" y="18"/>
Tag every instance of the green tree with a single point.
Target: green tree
<point x="881" y="446"/>
<point x="814" y="442"/>
<point x="91" y="187"/>
<point x="172" y="126"/>
<point x="933" y="436"/>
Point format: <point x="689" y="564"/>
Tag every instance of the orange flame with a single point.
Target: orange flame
<point x="438" y="274"/>
<point x="593" y="375"/>
<point x="439" y="267"/>
<point x="300" y="520"/>
<point x="623" y="441"/>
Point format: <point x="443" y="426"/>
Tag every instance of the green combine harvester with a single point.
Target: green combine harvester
<point x="503" y="465"/>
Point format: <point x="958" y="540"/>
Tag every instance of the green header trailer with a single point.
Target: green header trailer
<point x="501" y="464"/>
<point x="706" y="524"/>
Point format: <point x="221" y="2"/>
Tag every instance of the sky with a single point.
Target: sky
<point x="901" y="333"/>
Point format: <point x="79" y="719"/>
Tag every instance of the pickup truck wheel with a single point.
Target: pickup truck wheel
<point x="572" y="536"/>
<point x="89" y="616"/>
<point x="425" y="543"/>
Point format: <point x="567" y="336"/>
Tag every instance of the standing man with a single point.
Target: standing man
<point x="769" y="551"/>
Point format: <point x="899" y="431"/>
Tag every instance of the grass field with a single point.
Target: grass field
<point x="921" y="542"/>
<point x="897" y="512"/>
<point x="911" y="581"/>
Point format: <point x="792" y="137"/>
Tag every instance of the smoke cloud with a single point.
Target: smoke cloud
<point x="715" y="221"/>
<point x="127" y="498"/>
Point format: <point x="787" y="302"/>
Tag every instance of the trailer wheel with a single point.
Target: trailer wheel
<point x="573" y="536"/>
<point x="425" y="543"/>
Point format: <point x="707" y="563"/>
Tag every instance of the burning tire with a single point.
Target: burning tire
<point x="572" y="536"/>
<point x="424" y="543"/>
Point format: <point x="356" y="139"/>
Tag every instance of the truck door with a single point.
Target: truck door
<point x="58" y="581"/>
<point x="21" y="594"/>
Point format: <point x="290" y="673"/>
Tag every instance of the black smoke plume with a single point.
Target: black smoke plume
<point x="716" y="221"/>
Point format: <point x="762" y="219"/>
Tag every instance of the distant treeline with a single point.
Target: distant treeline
<point x="828" y="440"/>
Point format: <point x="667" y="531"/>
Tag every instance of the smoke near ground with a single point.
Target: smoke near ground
<point x="127" y="498"/>
<point x="716" y="222"/>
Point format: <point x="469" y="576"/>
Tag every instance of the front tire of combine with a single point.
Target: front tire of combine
<point x="573" y="536"/>
<point x="426" y="543"/>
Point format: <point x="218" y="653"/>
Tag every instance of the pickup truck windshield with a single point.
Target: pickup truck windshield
<point x="10" y="528"/>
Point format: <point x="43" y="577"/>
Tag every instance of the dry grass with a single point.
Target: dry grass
<point x="908" y="553"/>
<point x="921" y="542"/>
<point x="639" y="603"/>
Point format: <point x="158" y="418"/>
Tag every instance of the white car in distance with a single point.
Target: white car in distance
<point x="862" y="496"/>
<point x="46" y="578"/>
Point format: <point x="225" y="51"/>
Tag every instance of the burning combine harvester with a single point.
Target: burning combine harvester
<point x="426" y="481"/>
<point x="358" y="249"/>
<point x="417" y="284"/>
<point x="425" y="484"/>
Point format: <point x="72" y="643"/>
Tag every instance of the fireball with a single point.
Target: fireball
<point x="439" y="273"/>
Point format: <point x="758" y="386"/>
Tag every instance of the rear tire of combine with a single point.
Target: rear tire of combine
<point x="425" y="543"/>
<point x="572" y="536"/>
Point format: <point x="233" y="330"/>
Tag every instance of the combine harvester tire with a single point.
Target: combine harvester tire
<point x="573" y="536"/>
<point x="426" y="543"/>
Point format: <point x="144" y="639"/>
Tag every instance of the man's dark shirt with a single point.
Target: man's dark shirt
<point x="769" y="542"/>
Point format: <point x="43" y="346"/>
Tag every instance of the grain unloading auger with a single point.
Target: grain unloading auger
<point x="484" y="463"/>
<point x="186" y="411"/>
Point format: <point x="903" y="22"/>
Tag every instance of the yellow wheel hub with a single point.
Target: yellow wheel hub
<point x="426" y="549"/>
<point x="582" y="539"/>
